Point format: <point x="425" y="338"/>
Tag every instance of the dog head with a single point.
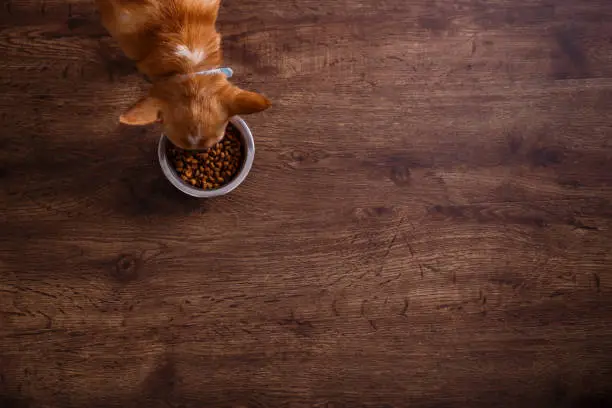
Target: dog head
<point x="194" y="111"/>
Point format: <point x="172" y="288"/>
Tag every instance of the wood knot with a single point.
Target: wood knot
<point x="400" y="175"/>
<point x="126" y="268"/>
<point x="298" y="156"/>
<point x="546" y="156"/>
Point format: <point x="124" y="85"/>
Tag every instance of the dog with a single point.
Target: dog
<point x="176" y="46"/>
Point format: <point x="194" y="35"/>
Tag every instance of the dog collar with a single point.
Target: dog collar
<point x="228" y="72"/>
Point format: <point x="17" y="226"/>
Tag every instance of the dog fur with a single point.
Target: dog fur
<point x="172" y="40"/>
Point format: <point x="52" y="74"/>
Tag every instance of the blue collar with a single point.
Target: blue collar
<point x="228" y="72"/>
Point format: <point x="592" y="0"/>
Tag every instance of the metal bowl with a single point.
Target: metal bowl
<point x="248" y="146"/>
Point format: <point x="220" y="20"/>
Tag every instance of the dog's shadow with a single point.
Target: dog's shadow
<point x="117" y="65"/>
<point x="117" y="174"/>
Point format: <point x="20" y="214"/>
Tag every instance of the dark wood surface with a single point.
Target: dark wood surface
<point x="427" y="224"/>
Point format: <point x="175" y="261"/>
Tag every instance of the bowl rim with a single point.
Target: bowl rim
<point x="176" y="181"/>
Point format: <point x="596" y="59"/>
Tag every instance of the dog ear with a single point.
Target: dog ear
<point x="143" y="112"/>
<point x="243" y="102"/>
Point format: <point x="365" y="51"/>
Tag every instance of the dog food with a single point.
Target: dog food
<point x="211" y="169"/>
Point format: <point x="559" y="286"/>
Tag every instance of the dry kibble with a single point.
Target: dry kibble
<point x="211" y="169"/>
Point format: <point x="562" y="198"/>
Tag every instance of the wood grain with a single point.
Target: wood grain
<point x="427" y="224"/>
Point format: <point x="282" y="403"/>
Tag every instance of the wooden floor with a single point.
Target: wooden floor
<point x="428" y="222"/>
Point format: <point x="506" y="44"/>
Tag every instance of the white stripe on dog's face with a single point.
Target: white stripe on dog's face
<point x="193" y="140"/>
<point x="195" y="56"/>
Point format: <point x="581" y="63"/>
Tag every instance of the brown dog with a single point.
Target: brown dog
<point x="175" y="44"/>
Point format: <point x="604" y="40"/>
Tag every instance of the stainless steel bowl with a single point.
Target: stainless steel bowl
<point x="248" y="144"/>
